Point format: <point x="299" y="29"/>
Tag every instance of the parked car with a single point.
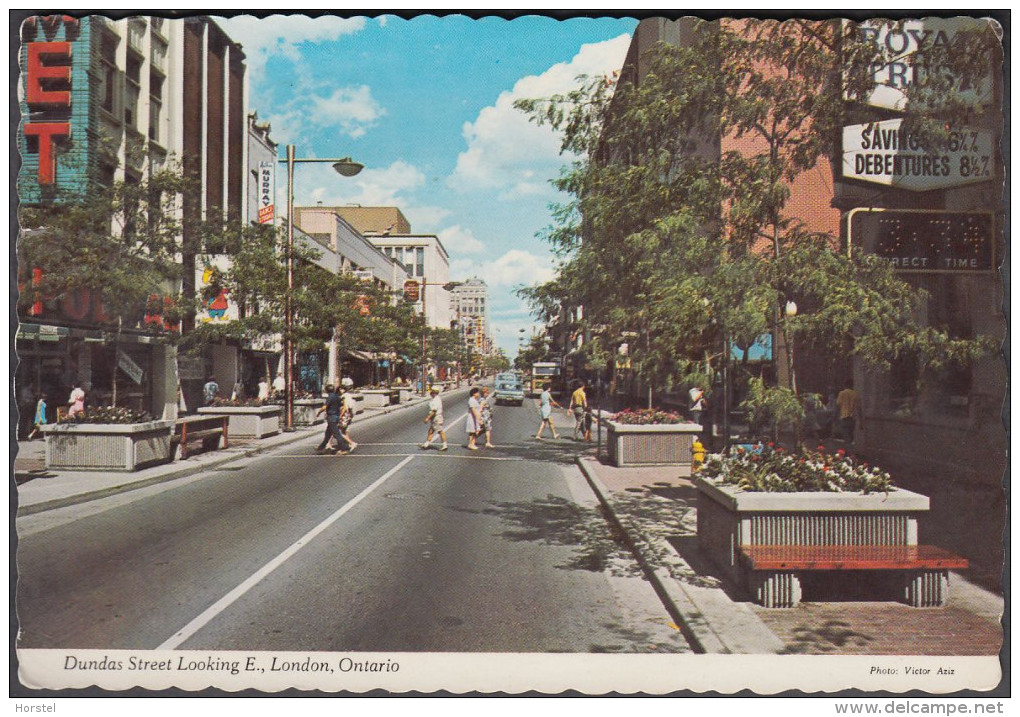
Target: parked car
<point x="509" y="388"/>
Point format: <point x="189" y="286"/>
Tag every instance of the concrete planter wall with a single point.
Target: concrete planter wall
<point x="248" y="421"/>
<point x="729" y="518"/>
<point x="380" y="397"/>
<point x="655" y="444"/>
<point x="406" y="394"/>
<point x="107" y="446"/>
<point x="305" y="410"/>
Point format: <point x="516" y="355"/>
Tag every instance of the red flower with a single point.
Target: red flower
<point x="840" y="453"/>
<point x="820" y="448"/>
<point x="771" y="444"/>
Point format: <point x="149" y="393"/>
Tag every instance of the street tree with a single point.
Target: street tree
<point x="688" y="248"/>
<point x="119" y="242"/>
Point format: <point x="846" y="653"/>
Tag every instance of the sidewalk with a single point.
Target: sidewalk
<point x="40" y="490"/>
<point x="656" y="509"/>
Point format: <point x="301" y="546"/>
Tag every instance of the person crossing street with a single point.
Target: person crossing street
<point x="435" y="420"/>
<point x="333" y="408"/>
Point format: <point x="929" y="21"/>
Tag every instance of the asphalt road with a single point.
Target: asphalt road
<point x="391" y="548"/>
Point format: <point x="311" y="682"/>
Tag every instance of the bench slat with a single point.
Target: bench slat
<point x="850" y="557"/>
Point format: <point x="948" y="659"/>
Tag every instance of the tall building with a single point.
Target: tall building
<point x="425" y="259"/>
<point x="934" y="214"/>
<point x="470" y="307"/>
<point x="106" y="100"/>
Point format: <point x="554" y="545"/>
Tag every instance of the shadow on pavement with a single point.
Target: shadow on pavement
<point x="597" y="546"/>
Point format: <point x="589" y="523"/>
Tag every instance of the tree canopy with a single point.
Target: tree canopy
<point x="678" y="230"/>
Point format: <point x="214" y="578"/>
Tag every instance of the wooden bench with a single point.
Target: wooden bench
<point x="207" y="429"/>
<point x="775" y="580"/>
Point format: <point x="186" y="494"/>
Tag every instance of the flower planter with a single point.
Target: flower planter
<point x="107" y="446"/>
<point x="380" y="397"/>
<point x="406" y="394"/>
<point x="665" y="444"/>
<point x="306" y="411"/>
<point x="729" y="518"/>
<point x="248" y="421"/>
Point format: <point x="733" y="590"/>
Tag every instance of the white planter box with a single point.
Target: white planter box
<point x="406" y="394"/>
<point x="248" y="421"/>
<point x="655" y="444"/>
<point x="729" y="518"/>
<point x="306" y="411"/>
<point x="107" y="446"/>
<point x="379" y="397"/>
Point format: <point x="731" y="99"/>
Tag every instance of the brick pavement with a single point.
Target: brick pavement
<point x="662" y="503"/>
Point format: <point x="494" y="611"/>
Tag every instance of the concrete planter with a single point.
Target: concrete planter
<point x="248" y="421"/>
<point x="305" y="410"/>
<point x="107" y="446"/>
<point x="380" y="397"/>
<point x="729" y="518"/>
<point x="664" y="444"/>
<point x="406" y="394"/>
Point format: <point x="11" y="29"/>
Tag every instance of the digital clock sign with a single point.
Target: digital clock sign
<point x="925" y="240"/>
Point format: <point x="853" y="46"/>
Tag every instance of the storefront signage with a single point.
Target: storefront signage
<point x="48" y="92"/>
<point x="267" y="193"/>
<point x="412" y="291"/>
<point x="925" y="241"/>
<point x="128" y="366"/>
<point x="888" y="153"/>
<point x="905" y="53"/>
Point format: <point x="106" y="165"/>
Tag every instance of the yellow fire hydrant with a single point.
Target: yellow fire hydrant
<point x="697" y="455"/>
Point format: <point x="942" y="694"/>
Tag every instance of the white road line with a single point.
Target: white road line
<point x="223" y="603"/>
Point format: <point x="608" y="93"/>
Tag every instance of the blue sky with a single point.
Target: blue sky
<point x="426" y="105"/>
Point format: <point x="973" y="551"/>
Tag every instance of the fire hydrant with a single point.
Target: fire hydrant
<point x="697" y="455"/>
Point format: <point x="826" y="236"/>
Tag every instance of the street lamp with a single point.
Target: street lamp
<point x="448" y="286"/>
<point x="347" y="168"/>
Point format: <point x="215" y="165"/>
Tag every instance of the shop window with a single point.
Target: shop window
<point x="419" y="263"/>
<point x="950" y="308"/>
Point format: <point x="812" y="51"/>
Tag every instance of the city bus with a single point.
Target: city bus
<point x="542" y="372"/>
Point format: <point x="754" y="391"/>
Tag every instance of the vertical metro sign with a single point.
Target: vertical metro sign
<point x="48" y="93"/>
<point x="267" y="193"/>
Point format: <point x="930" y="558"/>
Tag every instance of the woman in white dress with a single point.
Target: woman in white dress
<point x="474" y="418"/>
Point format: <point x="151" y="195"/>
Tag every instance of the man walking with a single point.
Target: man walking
<point x="848" y="404"/>
<point x="210" y="391"/>
<point x="579" y="405"/>
<point x="333" y="407"/>
<point x="435" y="419"/>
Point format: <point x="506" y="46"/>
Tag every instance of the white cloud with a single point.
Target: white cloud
<point x="425" y="218"/>
<point x="352" y="109"/>
<point x="507" y="152"/>
<point x="514" y="268"/>
<point x="281" y="34"/>
<point x="459" y="240"/>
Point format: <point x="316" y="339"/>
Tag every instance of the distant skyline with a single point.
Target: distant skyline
<point x="426" y="104"/>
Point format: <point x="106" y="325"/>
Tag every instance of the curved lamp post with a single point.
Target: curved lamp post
<point x="347" y="168"/>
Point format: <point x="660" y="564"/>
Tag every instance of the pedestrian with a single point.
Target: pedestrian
<point x="435" y="420"/>
<point x="333" y="408"/>
<point x="587" y="423"/>
<point x="39" y="420"/>
<point x="279" y="386"/>
<point x="347" y="416"/>
<point x="848" y="403"/>
<point x="76" y="402"/>
<point x="579" y="405"/>
<point x="238" y="393"/>
<point x="264" y="389"/>
<point x="545" y="406"/>
<point x="486" y="403"/>
<point x="210" y="391"/>
<point x="474" y="418"/>
<point x="698" y="403"/>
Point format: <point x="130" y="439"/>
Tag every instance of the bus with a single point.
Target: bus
<point x="542" y="372"/>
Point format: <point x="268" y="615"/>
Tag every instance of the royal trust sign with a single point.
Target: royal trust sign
<point x="888" y="153"/>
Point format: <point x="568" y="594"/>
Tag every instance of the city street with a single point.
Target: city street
<point x="392" y="548"/>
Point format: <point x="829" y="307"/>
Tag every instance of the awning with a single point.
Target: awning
<point x="49" y="332"/>
<point x="361" y="355"/>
